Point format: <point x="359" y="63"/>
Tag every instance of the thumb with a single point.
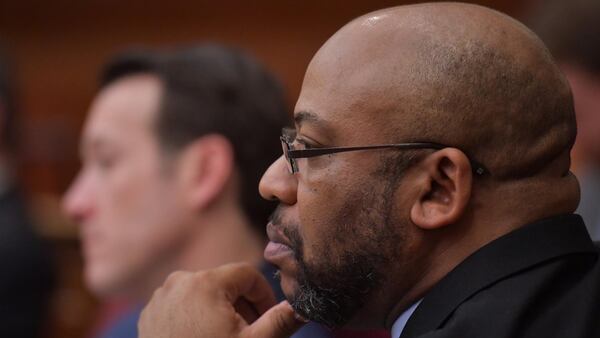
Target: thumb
<point x="279" y="322"/>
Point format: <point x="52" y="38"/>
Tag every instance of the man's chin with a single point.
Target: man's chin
<point x="104" y="284"/>
<point x="289" y="286"/>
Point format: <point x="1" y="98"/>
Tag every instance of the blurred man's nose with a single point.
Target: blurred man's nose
<point x="77" y="202"/>
<point x="278" y="183"/>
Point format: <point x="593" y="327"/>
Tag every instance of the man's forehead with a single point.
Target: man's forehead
<point x="344" y="128"/>
<point x="347" y="105"/>
<point x="137" y="92"/>
<point x="305" y="119"/>
<point x="364" y="76"/>
<point x="132" y="99"/>
<point x="345" y="83"/>
<point x="123" y="109"/>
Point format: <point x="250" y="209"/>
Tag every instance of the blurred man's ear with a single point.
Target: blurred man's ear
<point x="206" y="167"/>
<point x="445" y="189"/>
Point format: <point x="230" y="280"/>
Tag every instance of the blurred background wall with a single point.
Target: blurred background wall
<point x="58" y="48"/>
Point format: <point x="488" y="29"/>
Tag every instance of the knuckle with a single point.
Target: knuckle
<point x="232" y="267"/>
<point x="174" y="278"/>
<point x="156" y="294"/>
<point x="241" y="265"/>
<point x="205" y="281"/>
<point x="204" y="275"/>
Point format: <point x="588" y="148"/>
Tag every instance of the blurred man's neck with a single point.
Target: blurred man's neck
<point x="225" y="237"/>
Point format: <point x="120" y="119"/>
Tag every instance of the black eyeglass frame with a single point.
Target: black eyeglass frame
<point x="292" y="154"/>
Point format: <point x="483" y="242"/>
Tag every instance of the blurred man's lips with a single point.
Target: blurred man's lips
<point x="92" y="243"/>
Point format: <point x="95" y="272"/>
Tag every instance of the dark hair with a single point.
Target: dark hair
<point x="570" y="29"/>
<point x="214" y="89"/>
<point x="8" y="110"/>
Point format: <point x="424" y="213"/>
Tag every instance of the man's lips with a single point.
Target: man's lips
<point x="278" y="248"/>
<point x="273" y="251"/>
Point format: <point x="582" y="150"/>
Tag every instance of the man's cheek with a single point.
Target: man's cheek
<point x="317" y="219"/>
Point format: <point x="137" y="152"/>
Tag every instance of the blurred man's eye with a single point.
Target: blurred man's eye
<point x="104" y="161"/>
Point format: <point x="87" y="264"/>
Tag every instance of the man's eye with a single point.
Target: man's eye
<point x="105" y="162"/>
<point x="303" y="144"/>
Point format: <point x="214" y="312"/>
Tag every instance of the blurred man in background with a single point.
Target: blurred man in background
<point x="571" y="30"/>
<point x="173" y="150"/>
<point x="25" y="267"/>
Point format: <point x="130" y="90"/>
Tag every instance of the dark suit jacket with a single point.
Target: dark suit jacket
<point x="540" y="281"/>
<point x="25" y="271"/>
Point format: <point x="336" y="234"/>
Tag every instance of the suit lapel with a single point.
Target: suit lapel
<point x="515" y="252"/>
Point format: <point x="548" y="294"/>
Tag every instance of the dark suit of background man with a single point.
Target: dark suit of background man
<point x="25" y="271"/>
<point x="425" y="189"/>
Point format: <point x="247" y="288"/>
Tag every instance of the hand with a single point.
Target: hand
<point x="232" y="301"/>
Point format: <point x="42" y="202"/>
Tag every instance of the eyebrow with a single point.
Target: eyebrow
<point x="305" y="116"/>
<point x="322" y="126"/>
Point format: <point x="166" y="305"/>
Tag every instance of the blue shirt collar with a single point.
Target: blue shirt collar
<point x="400" y="323"/>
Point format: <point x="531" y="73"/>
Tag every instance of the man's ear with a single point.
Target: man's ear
<point x="206" y="168"/>
<point x="445" y="191"/>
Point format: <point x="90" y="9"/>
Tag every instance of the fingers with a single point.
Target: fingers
<point x="279" y="322"/>
<point x="242" y="280"/>
<point x="217" y="303"/>
<point x="246" y="310"/>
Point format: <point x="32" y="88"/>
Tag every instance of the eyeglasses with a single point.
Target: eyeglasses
<point x="291" y="153"/>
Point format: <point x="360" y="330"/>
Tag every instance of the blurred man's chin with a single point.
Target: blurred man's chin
<point x="101" y="284"/>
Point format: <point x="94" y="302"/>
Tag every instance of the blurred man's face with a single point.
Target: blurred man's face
<point x="125" y="198"/>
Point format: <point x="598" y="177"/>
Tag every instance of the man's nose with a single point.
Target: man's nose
<point x="77" y="202"/>
<point x="278" y="183"/>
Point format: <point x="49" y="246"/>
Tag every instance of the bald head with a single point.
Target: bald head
<point x="456" y="74"/>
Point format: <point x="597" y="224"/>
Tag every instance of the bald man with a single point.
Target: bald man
<point x="425" y="189"/>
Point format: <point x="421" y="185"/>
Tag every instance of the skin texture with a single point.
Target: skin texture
<point x="455" y="74"/>
<point x="144" y="213"/>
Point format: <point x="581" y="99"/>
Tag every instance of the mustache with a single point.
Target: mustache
<point x="290" y="230"/>
<point x="276" y="217"/>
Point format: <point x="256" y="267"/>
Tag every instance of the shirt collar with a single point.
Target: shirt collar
<point x="400" y="323"/>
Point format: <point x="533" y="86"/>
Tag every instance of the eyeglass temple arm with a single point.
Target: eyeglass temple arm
<point x="304" y="153"/>
<point x="477" y="167"/>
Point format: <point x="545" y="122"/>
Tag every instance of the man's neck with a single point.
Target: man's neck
<point x="225" y="238"/>
<point x="216" y="239"/>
